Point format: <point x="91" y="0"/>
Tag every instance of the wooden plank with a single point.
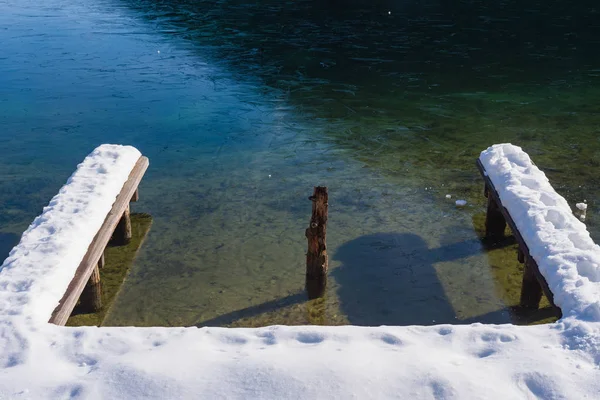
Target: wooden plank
<point x="531" y="263"/>
<point x="96" y="249"/>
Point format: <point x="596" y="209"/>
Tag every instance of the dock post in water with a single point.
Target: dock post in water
<point x="316" y="256"/>
<point x="123" y="234"/>
<point x="495" y="224"/>
<point x="531" y="290"/>
<point x="91" y="298"/>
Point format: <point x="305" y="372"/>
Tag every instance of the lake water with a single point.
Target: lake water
<point x="242" y="107"/>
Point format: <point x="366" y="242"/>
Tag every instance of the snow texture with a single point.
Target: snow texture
<point x="39" y="360"/>
<point x="461" y="203"/>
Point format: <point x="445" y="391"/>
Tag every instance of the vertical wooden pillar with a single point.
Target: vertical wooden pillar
<point x="91" y="297"/>
<point x="136" y="195"/>
<point x="101" y="261"/>
<point x="316" y="257"/>
<point x="520" y="255"/>
<point x="122" y="234"/>
<point x="494" y="220"/>
<point x="315" y="287"/>
<point x="531" y="290"/>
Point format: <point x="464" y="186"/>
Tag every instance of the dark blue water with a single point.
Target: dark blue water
<point x="243" y="106"/>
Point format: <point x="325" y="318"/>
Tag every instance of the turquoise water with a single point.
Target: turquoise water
<point x="242" y="108"/>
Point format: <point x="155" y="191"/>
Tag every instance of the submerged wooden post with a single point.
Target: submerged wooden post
<point x="315" y="288"/>
<point x="520" y="255"/>
<point x="531" y="290"/>
<point x="495" y="224"/>
<point x="91" y="297"/>
<point x="316" y="256"/>
<point x="122" y="234"/>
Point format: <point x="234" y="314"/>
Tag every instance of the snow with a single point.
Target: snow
<point x="448" y="196"/>
<point x="39" y="360"/>
<point x="461" y="203"/>
<point x="581" y="206"/>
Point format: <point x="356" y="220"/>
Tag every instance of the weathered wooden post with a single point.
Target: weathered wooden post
<point x="495" y="224"/>
<point x="91" y="297"/>
<point x="316" y="256"/>
<point x="122" y="234"/>
<point x="520" y="255"/>
<point x="101" y="261"/>
<point x="531" y="290"/>
<point x="315" y="288"/>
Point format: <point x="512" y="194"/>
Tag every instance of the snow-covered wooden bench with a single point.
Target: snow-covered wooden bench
<point x="554" y="246"/>
<point x="496" y="219"/>
<point x="60" y="254"/>
<point x="85" y="285"/>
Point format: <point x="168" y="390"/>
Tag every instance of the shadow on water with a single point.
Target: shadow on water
<point x="390" y="279"/>
<point x="7" y="242"/>
<point x="253" y="311"/>
<point x="516" y="315"/>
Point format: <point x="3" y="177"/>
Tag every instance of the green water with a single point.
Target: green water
<point x="243" y="107"/>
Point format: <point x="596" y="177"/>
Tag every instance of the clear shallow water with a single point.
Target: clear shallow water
<point x="242" y="108"/>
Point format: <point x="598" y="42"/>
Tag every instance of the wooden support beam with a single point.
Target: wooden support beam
<point x="101" y="261"/>
<point x="531" y="290"/>
<point x="123" y="234"/>
<point x="136" y="195"/>
<point x="495" y="224"/>
<point x="91" y="297"/>
<point x="316" y="257"/>
<point x="96" y="249"/>
<point x="520" y="255"/>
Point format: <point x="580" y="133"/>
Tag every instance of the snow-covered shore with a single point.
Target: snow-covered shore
<point x="39" y="360"/>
